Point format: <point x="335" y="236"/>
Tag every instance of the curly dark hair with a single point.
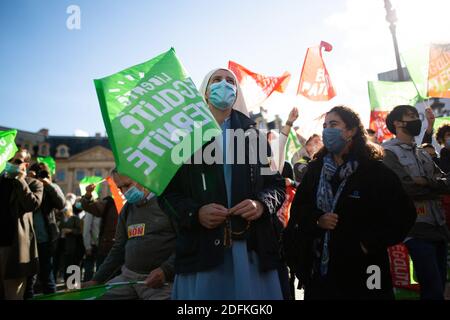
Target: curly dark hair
<point x="360" y="148"/>
<point x="440" y="134"/>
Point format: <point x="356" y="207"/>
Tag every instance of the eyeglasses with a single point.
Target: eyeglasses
<point x="18" y="161"/>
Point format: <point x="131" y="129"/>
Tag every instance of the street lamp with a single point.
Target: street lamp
<point x="391" y="17"/>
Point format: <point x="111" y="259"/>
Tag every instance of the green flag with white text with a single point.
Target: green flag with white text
<point x="155" y="119"/>
<point x="8" y="147"/>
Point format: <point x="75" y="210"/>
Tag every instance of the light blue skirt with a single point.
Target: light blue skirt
<point x="238" y="278"/>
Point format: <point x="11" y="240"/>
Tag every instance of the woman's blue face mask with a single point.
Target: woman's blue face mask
<point x="333" y="140"/>
<point x="222" y="94"/>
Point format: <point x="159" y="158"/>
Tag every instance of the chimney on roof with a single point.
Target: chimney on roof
<point x="44" y="132"/>
<point x="98" y="135"/>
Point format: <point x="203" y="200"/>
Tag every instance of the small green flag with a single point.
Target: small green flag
<point x="91" y="180"/>
<point x="91" y="293"/>
<point x="385" y="95"/>
<point x="8" y="147"/>
<point x="155" y="118"/>
<point x="417" y="63"/>
<point x="50" y="162"/>
<point x="292" y="145"/>
<point x="405" y="294"/>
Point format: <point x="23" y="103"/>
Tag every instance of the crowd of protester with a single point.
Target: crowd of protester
<point x="227" y="231"/>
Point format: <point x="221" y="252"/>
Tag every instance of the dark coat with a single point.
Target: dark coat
<point x="373" y="211"/>
<point x="444" y="161"/>
<point x="199" y="248"/>
<point x="25" y="197"/>
<point x="53" y="200"/>
<point x="106" y="210"/>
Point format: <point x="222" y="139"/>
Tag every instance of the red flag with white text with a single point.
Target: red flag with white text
<point x="315" y="83"/>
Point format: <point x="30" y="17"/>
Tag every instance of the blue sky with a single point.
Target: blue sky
<point x="47" y="71"/>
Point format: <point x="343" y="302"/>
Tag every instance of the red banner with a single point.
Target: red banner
<point x="315" y="83"/>
<point x="400" y="267"/>
<point x="378" y="124"/>
<point x="283" y="213"/>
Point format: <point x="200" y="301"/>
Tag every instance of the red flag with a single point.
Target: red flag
<point x="116" y="194"/>
<point x="283" y="213"/>
<point x="378" y="124"/>
<point x="315" y="83"/>
<point x="256" y="88"/>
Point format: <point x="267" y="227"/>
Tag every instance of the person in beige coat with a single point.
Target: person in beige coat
<point x="19" y="197"/>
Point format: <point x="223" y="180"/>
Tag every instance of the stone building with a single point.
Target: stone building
<point x="76" y="157"/>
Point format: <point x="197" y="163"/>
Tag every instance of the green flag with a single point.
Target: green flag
<point x="155" y="119"/>
<point x="8" y="147"/>
<point x="405" y="294"/>
<point x="91" y="180"/>
<point x="292" y="145"/>
<point x="385" y="95"/>
<point x="440" y="121"/>
<point x="417" y="62"/>
<point x="50" y="162"/>
<point x="91" y="293"/>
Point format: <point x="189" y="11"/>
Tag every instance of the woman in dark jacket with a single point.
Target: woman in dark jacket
<point x="347" y="211"/>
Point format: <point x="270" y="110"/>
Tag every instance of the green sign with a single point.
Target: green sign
<point x="155" y="119"/>
<point x="385" y="95"/>
<point x="8" y="147"/>
<point x="417" y="62"/>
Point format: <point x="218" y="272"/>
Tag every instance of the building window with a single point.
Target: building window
<point x="80" y="174"/>
<point x="98" y="173"/>
<point x="62" y="151"/>
<point x="61" y="175"/>
<point x="29" y="147"/>
<point x="44" y="149"/>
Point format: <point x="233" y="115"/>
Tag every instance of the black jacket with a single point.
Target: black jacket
<point x="53" y="200"/>
<point x="444" y="161"/>
<point x="373" y="211"/>
<point x="199" y="248"/>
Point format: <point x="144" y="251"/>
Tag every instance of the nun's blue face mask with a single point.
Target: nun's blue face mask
<point x="222" y="95"/>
